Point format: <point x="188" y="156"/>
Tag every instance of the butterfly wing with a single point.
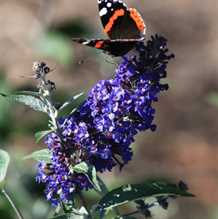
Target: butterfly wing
<point x="123" y="25"/>
<point x="117" y="47"/>
<point x="119" y="21"/>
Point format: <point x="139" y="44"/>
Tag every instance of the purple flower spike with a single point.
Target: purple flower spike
<point x="103" y="128"/>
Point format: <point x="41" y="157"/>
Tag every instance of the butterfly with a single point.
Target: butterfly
<point x="124" y="27"/>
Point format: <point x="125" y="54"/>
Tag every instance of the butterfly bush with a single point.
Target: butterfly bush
<point x="101" y="131"/>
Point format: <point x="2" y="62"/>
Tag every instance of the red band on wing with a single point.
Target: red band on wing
<point x="117" y="13"/>
<point x="138" y="19"/>
<point x="99" y="44"/>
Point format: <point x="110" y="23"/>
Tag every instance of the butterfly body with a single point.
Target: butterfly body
<point x="124" y="27"/>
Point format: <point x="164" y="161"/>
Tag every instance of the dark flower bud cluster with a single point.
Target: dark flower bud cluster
<point x="103" y="128"/>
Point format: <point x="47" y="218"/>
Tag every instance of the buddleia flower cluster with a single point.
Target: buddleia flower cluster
<point x="101" y="131"/>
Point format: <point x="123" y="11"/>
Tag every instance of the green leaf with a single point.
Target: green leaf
<point x="81" y="168"/>
<point x="71" y="100"/>
<point x="133" y="192"/>
<point x="93" y="177"/>
<point x="4" y="162"/>
<point x="90" y="172"/>
<point x="41" y="155"/>
<point x="41" y="134"/>
<point x="28" y="100"/>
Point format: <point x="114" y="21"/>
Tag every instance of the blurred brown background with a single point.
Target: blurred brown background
<point x="185" y="145"/>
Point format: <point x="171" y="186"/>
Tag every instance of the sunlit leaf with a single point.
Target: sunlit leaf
<point x="31" y="101"/>
<point x="89" y="171"/>
<point x="81" y="168"/>
<point x="4" y="162"/>
<point x="41" y="134"/>
<point x="133" y="192"/>
<point x="41" y="155"/>
<point x="93" y="176"/>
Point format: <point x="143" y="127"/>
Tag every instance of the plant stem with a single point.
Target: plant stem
<point x="85" y="204"/>
<point x="17" y="211"/>
<point x="130" y="214"/>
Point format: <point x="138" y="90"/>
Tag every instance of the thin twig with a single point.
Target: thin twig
<point x="17" y="211"/>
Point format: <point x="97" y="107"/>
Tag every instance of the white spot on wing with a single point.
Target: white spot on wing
<point x="109" y="4"/>
<point x="86" y="42"/>
<point x="102" y="12"/>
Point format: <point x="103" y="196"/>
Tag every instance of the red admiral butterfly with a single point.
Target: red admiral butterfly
<point x="124" y="26"/>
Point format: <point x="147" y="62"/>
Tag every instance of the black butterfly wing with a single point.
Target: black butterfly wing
<point x="117" y="47"/>
<point x="119" y="21"/>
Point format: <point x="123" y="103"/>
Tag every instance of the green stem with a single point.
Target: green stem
<point x="104" y="189"/>
<point x="17" y="211"/>
<point x="85" y="204"/>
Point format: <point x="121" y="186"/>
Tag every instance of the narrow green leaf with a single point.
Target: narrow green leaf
<point x="41" y="134"/>
<point x="89" y="171"/>
<point x="78" y="95"/>
<point x="41" y="155"/>
<point x="4" y="162"/>
<point x="133" y="192"/>
<point x="28" y="100"/>
<point x="93" y="176"/>
<point x="71" y="100"/>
